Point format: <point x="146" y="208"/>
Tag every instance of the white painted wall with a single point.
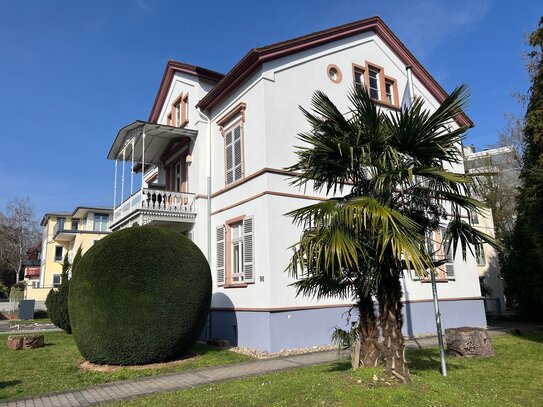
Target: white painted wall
<point x="272" y="95"/>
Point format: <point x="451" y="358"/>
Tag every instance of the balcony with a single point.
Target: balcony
<point x="157" y="207"/>
<point x="143" y="145"/>
<point x="60" y="233"/>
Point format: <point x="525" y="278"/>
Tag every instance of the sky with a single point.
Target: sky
<point x="72" y="73"/>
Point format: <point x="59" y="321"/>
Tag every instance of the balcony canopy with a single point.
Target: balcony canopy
<point x="130" y="141"/>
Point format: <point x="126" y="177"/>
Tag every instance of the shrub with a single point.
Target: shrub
<point x="57" y="307"/>
<point x="140" y="295"/>
<point x="57" y="300"/>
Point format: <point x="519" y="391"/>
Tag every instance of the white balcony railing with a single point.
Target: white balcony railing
<point x="155" y="199"/>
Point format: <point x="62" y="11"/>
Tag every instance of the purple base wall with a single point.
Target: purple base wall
<point x="274" y="331"/>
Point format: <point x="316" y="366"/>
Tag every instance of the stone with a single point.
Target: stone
<point x="16" y="342"/>
<point x="468" y="341"/>
<point x="33" y="341"/>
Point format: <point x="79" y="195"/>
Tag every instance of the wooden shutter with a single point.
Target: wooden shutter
<point x="237" y="153"/>
<point x="448" y="255"/>
<point x="248" y="250"/>
<point x="229" y="158"/>
<point x="220" y="255"/>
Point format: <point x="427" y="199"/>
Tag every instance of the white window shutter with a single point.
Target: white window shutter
<point x="248" y="250"/>
<point x="220" y="255"/>
<point x="229" y="157"/>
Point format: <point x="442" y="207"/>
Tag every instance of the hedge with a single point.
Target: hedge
<point x="140" y="295"/>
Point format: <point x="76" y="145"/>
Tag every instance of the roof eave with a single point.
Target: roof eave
<point x="254" y="58"/>
<point x="169" y="72"/>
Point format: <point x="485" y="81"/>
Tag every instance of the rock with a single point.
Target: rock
<point x="468" y="341"/>
<point x="33" y="341"/>
<point x="16" y="342"/>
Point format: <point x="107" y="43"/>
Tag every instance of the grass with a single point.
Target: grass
<point x="55" y="367"/>
<point x="514" y="377"/>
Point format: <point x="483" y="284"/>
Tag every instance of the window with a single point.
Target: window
<point x="179" y="115"/>
<point x="474" y="217"/>
<point x="334" y="73"/>
<point x="358" y="79"/>
<point x="381" y="88"/>
<point x="235" y="252"/>
<point x="480" y="255"/>
<point x="374" y="83"/>
<point x="101" y="221"/>
<point x="176" y="175"/>
<point x="389" y="91"/>
<point x="57" y="279"/>
<point x="61" y="222"/>
<point x="233" y="154"/>
<point x="58" y="253"/>
<point x="75" y="224"/>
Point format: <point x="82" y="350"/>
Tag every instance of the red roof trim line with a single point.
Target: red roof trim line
<point x="256" y="57"/>
<point x="169" y="72"/>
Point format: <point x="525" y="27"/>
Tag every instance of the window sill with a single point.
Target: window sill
<point x="438" y="280"/>
<point x="386" y="104"/>
<point x="235" y="285"/>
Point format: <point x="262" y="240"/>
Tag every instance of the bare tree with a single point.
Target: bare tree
<point x="511" y="135"/>
<point x="19" y="231"/>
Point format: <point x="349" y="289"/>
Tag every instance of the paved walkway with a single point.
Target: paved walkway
<point x="128" y="389"/>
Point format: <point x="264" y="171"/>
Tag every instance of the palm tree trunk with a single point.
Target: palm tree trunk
<point x="370" y="351"/>
<point x="389" y="294"/>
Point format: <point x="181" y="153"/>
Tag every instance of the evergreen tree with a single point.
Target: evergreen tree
<point x="523" y="269"/>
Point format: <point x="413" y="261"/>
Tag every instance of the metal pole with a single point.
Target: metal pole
<point x="122" y="176"/>
<point x="132" y="175"/>
<point x="438" y="325"/>
<point x="115" y="189"/>
<point x="142" y="157"/>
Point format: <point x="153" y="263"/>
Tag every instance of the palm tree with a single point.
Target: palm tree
<point x="394" y="166"/>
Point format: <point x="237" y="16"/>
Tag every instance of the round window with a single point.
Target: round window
<point x="334" y="73"/>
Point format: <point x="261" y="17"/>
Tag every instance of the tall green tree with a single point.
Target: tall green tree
<point x="523" y="268"/>
<point x="393" y="167"/>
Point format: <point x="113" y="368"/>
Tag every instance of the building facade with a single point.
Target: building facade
<point x="501" y="190"/>
<point x="63" y="234"/>
<point x="212" y="159"/>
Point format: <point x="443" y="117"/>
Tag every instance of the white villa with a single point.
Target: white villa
<point x="212" y="156"/>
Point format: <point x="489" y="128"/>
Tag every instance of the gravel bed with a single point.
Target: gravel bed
<point x="259" y="354"/>
<point x="31" y="327"/>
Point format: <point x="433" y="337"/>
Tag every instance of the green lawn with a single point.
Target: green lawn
<point x="513" y="377"/>
<point x="55" y="367"/>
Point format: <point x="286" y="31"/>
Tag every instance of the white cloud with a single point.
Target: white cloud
<point x="143" y="5"/>
<point x="424" y="24"/>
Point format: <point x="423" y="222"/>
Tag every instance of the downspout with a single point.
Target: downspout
<point x="411" y="88"/>
<point x="208" y="120"/>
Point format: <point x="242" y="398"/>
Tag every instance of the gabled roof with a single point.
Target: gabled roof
<point x="171" y="68"/>
<point x="257" y="56"/>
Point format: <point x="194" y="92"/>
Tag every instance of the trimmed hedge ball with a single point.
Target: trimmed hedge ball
<point x="140" y="295"/>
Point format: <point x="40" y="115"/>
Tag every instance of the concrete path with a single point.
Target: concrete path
<point x="128" y="389"/>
